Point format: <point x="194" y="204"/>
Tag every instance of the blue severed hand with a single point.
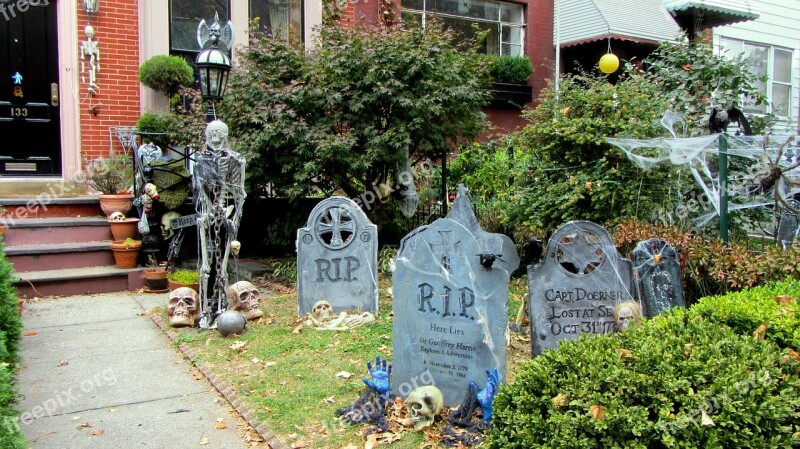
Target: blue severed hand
<point x="380" y="376"/>
<point x="486" y="396"/>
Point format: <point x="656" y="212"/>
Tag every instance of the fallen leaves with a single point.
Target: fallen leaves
<point x="238" y="345"/>
<point x="598" y="412"/>
<point x="344" y="374"/>
<point x="328" y="400"/>
<point x="559" y="401"/>
<point x="30" y="334"/>
<point x="98" y="432"/>
<point x="705" y="419"/>
<point x="203" y="441"/>
<point x="63" y="362"/>
<point x="83" y="426"/>
<point x="761" y="333"/>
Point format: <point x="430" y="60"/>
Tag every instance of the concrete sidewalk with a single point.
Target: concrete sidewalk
<point x="99" y="374"/>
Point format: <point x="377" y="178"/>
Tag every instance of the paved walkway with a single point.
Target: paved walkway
<point x="98" y="374"/>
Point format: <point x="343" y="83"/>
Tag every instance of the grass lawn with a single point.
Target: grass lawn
<point x="294" y="382"/>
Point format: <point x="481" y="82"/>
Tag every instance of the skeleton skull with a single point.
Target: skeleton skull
<point x="625" y="314"/>
<point x="322" y="311"/>
<point x="236" y="246"/>
<point x="182" y="307"/>
<point x="117" y="216"/>
<point x="166" y="229"/>
<point x="216" y="135"/>
<point x="244" y="297"/>
<point x="424" y="403"/>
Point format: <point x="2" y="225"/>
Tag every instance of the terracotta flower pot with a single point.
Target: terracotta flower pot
<point x="176" y="285"/>
<point x="125" y="256"/>
<point x="155" y="279"/>
<point x="116" y="203"/>
<point x="128" y="229"/>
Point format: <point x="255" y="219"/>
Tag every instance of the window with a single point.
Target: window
<point x="185" y="16"/>
<point x="765" y="61"/>
<point x="502" y="22"/>
<point x="281" y="18"/>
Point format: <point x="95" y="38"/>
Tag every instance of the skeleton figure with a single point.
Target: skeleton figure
<point x="150" y="194"/>
<point x="182" y="307"/>
<point x="166" y="228"/>
<point x="219" y="196"/>
<point x="627" y="313"/>
<point x="89" y="50"/>
<point x="424" y="404"/>
<point x="322" y="318"/>
<point x="244" y="297"/>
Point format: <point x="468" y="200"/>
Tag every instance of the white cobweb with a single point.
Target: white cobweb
<point x="698" y="155"/>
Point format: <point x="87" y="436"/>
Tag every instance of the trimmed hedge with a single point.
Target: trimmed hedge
<point x="682" y="380"/>
<point x="10" y="334"/>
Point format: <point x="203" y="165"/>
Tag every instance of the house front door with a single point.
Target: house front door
<point x="29" y="116"/>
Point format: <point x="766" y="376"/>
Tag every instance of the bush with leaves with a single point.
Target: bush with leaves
<point x="676" y="381"/>
<point x="166" y="74"/>
<point x="342" y="116"/>
<point x="510" y="69"/>
<point x="563" y="168"/>
<point x="10" y="334"/>
<point x="694" y="79"/>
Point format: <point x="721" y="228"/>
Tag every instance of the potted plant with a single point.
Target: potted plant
<point x="155" y="277"/>
<point x="126" y="252"/>
<point x="123" y="227"/>
<point x="510" y="79"/>
<point x="184" y="278"/>
<point x="112" y="177"/>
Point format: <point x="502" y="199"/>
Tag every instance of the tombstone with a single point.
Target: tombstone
<point x="574" y="290"/>
<point x="337" y="258"/>
<point x="498" y="244"/>
<point x="787" y="225"/>
<point x="450" y="312"/>
<point x="658" y="276"/>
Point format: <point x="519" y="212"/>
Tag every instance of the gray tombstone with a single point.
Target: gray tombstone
<point x="497" y="244"/>
<point x="787" y="225"/>
<point x="337" y="258"/>
<point x="658" y="276"/>
<point x="450" y="312"/>
<point x="575" y="288"/>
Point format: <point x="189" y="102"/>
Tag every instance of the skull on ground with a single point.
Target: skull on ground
<point x="182" y="307"/>
<point x="322" y="311"/>
<point x="424" y="403"/>
<point x="244" y="298"/>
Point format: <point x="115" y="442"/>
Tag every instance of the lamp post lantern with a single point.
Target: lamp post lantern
<point x="213" y="64"/>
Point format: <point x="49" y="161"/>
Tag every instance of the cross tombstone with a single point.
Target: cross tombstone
<point x="658" y="276"/>
<point x="575" y="288"/>
<point x="450" y="312"/>
<point x="337" y="258"/>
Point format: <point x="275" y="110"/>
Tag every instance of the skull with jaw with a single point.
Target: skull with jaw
<point x="424" y="403"/>
<point x="166" y="228"/>
<point x="244" y="297"/>
<point x="182" y="307"/>
<point x="322" y="311"/>
<point x="627" y="314"/>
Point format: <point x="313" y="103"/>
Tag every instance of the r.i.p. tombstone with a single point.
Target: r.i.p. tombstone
<point x="450" y="312"/>
<point x="575" y="289"/>
<point x="337" y="258"/>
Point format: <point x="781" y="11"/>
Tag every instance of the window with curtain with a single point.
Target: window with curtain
<point x="185" y="15"/>
<point x="765" y="61"/>
<point x="502" y="23"/>
<point x="283" y="19"/>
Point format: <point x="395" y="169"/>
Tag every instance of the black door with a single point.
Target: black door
<point x="30" y="142"/>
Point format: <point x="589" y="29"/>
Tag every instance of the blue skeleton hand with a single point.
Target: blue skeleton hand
<point x="486" y="396"/>
<point x="380" y="376"/>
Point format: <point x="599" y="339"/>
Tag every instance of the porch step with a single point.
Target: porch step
<point x="43" y="206"/>
<point x="78" y="281"/>
<point x="59" y="255"/>
<point x="38" y="231"/>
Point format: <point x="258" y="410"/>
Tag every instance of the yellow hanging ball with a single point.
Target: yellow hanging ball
<point x="609" y="63"/>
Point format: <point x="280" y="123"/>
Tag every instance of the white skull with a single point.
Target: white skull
<point x="216" y="135"/>
<point x="244" y="298"/>
<point x="182" y="307"/>
<point x="236" y="246"/>
<point x="424" y="403"/>
<point x="625" y="314"/>
<point x="322" y="311"/>
<point x="117" y="216"/>
<point x="166" y="229"/>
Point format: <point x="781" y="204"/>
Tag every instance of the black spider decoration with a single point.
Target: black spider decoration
<point x="487" y="260"/>
<point x="718" y="121"/>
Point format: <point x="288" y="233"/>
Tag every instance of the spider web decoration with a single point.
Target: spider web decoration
<point x="694" y="153"/>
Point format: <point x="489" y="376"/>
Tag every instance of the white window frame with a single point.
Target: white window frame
<point x="771" y="49"/>
<point x="424" y="13"/>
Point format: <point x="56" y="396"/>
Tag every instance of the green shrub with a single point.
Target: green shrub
<point x="158" y="123"/>
<point x="510" y="69"/>
<point x="678" y="380"/>
<point x="10" y="334"/>
<point x="166" y="74"/>
<point x="184" y="276"/>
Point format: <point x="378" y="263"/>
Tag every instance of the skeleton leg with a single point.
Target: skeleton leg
<point x="205" y="270"/>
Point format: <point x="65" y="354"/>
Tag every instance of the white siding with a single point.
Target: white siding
<point x="778" y="25"/>
<point x="583" y="20"/>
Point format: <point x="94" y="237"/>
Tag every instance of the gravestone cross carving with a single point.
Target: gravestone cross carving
<point x="337" y="258"/>
<point x="658" y="276"/>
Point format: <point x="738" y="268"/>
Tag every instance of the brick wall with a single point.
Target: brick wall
<point x="117" y="27"/>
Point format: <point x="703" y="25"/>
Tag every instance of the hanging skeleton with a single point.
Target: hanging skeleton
<point x="219" y="196"/>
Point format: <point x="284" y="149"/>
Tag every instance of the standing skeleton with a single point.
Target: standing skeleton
<point x="219" y="196"/>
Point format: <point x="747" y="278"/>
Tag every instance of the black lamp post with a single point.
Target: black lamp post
<point x="213" y="66"/>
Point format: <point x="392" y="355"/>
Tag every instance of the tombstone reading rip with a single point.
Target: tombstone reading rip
<point x="337" y="258"/>
<point x="658" y="276"/>
<point x="575" y="289"/>
<point x="498" y="245"/>
<point x="450" y="312"/>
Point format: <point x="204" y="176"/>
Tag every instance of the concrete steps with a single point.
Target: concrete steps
<point x="62" y="251"/>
